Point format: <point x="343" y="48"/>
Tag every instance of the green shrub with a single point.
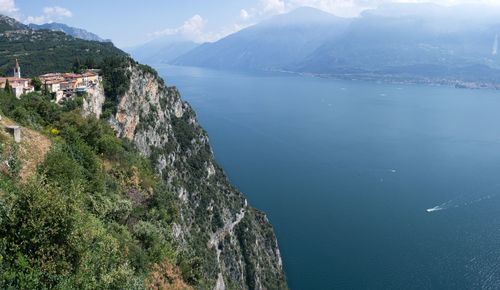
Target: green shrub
<point x="33" y="110"/>
<point x="96" y="217"/>
<point x="116" y="81"/>
<point x="37" y="234"/>
<point x="13" y="162"/>
<point x="110" y="146"/>
<point x="61" y="168"/>
<point x="73" y="103"/>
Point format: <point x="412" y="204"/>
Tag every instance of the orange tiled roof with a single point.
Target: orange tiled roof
<point x="89" y="74"/>
<point x="51" y="82"/>
<point x="51" y="75"/>
<point x="72" y="75"/>
<point x="13" y="79"/>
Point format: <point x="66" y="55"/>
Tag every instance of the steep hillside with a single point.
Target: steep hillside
<point x="129" y="201"/>
<point x="235" y="242"/>
<point x="31" y="151"/>
<point x="79" y="208"/>
<point x="46" y="51"/>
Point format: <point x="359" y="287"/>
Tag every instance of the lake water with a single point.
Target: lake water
<point x="368" y="185"/>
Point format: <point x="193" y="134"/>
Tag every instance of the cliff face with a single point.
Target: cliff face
<point x="227" y="243"/>
<point x="94" y="100"/>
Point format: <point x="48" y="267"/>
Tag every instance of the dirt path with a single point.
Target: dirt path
<point x="32" y="149"/>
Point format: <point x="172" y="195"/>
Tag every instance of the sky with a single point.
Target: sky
<point x="130" y="22"/>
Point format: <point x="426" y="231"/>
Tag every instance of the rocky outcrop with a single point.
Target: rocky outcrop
<point x="219" y="235"/>
<point x="8" y="23"/>
<point x="94" y="100"/>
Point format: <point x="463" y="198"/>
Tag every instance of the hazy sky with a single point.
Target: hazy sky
<point x="132" y="22"/>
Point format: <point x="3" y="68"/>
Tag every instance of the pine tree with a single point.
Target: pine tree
<point x="8" y="87"/>
<point x="45" y="88"/>
<point x="77" y="66"/>
<point x="36" y="83"/>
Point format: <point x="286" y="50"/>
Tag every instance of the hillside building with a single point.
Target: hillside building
<point x="19" y="85"/>
<point x="62" y="85"/>
<point x="65" y="84"/>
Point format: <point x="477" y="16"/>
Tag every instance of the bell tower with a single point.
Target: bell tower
<point x="17" y="70"/>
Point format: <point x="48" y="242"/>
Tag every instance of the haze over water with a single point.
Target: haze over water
<point x="368" y="185"/>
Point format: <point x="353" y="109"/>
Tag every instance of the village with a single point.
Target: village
<point x="61" y="85"/>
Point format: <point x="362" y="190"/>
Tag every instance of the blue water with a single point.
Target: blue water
<point x="346" y="171"/>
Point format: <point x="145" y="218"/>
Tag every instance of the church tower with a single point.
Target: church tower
<point x="17" y="70"/>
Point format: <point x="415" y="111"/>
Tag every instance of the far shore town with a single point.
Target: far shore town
<point x="62" y="85"/>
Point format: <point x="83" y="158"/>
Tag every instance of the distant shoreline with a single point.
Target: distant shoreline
<point x="388" y="79"/>
<point x="444" y="82"/>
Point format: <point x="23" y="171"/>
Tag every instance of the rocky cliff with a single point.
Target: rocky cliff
<point x="227" y="243"/>
<point x="93" y="102"/>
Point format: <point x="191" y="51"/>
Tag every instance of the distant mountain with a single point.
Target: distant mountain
<point x="272" y="44"/>
<point x="431" y="44"/>
<point x="43" y="51"/>
<point x="162" y="50"/>
<point x="395" y="41"/>
<point x="7" y="23"/>
<point x="75" y="32"/>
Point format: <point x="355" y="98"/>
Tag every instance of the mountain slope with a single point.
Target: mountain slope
<point x="396" y="42"/>
<point x="131" y="201"/>
<point x="46" y="51"/>
<point x="235" y="242"/>
<point x="7" y="23"/>
<point x="413" y="45"/>
<point x="273" y="44"/>
<point x="73" y="31"/>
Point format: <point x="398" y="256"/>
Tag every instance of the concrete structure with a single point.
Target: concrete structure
<point x="15" y="131"/>
<point x="17" y="70"/>
<point x="90" y="78"/>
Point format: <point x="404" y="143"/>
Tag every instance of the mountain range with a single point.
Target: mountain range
<point x="273" y="44"/>
<point x="422" y="42"/>
<point x="73" y="31"/>
<point x="402" y="42"/>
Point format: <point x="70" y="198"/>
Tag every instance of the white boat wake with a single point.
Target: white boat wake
<point x="436" y="208"/>
<point x="460" y="202"/>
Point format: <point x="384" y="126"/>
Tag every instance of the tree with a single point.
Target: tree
<point x="37" y="83"/>
<point x="77" y="66"/>
<point x="8" y="87"/>
<point x="45" y="88"/>
<point x="90" y="63"/>
<point x="116" y="81"/>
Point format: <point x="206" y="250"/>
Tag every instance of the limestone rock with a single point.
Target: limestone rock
<point x="236" y="241"/>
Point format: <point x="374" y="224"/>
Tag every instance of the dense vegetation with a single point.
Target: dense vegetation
<point x="46" y="51"/>
<point x="93" y="216"/>
<point x="87" y="211"/>
<point x="116" y="81"/>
